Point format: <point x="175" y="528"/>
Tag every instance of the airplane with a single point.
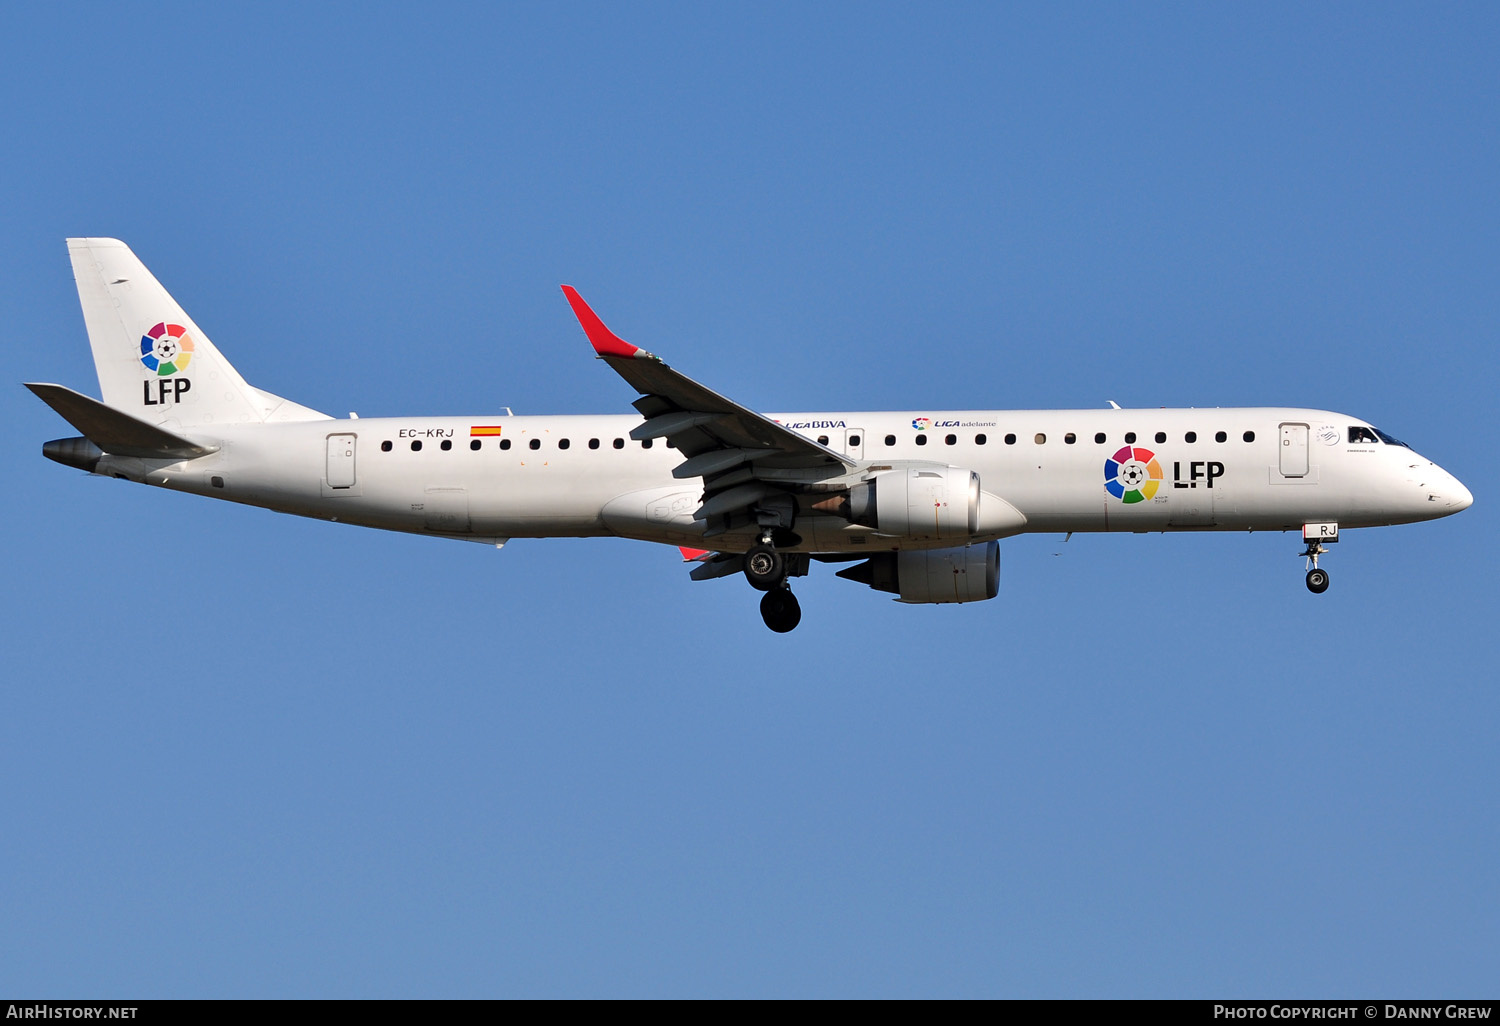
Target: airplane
<point x="916" y="502"/>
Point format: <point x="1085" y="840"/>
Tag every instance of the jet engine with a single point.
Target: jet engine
<point x="921" y="502"/>
<point x="967" y="574"/>
<point x="926" y="504"/>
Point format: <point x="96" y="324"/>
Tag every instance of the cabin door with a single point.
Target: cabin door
<point x="1294" y="450"/>
<point x="341" y="461"/>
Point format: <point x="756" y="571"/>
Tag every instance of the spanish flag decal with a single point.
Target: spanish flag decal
<point x="484" y="430"/>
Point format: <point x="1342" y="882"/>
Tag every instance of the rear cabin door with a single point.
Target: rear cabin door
<point x="1294" y="450"/>
<point x="341" y="461"/>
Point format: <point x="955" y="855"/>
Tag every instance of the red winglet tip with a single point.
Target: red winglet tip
<point x="604" y="341"/>
<point x="692" y="555"/>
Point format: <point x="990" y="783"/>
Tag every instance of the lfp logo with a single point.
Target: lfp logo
<point x="166" y="349"/>
<point x="1132" y="475"/>
<point x="922" y="423"/>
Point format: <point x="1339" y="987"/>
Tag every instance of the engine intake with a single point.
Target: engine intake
<point x="967" y="574"/>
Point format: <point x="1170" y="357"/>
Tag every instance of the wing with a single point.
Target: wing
<point x="746" y="460"/>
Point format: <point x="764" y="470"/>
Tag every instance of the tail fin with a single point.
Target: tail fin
<point x="153" y="361"/>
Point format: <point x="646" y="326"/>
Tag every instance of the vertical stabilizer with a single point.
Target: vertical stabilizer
<point x="153" y="361"/>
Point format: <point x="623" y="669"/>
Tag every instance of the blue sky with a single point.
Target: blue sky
<point x="250" y="755"/>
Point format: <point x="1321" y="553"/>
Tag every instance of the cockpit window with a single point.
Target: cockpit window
<point x="1362" y="436"/>
<point x="1388" y="440"/>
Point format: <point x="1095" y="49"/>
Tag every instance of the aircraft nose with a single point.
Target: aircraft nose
<point x="1448" y="493"/>
<point x="1459" y="497"/>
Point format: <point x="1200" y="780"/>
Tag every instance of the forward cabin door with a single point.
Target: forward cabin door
<point x="1294" y="450"/>
<point x="341" y="461"/>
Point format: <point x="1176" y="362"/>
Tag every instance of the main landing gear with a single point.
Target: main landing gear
<point x="766" y="570"/>
<point x="780" y="609"/>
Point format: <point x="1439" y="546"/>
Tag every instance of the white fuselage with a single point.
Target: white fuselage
<point x="571" y="476"/>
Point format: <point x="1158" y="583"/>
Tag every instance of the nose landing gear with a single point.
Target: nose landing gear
<point x="1317" y="581"/>
<point x="1315" y="535"/>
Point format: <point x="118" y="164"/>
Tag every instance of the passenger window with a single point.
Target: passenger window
<point x="921" y="439"/>
<point x="619" y="443"/>
<point x="416" y="445"/>
<point x="1099" y="438"/>
<point x="593" y="443"/>
<point x="1041" y="439"/>
<point x="1249" y="436"/>
<point x="853" y="441"/>
<point x="980" y="439"/>
<point x="890" y="439"/>
<point x="1220" y="436"/>
<point x="1361" y="436"/>
<point x="1010" y="439"/>
<point x="1130" y="438"/>
<point x="822" y="439"/>
<point x="1190" y="437"/>
<point x="505" y="443"/>
<point x="563" y="443"/>
<point x="474" y="445"/>
<point x="447" y="444"/>
<point x="1161" y="436"/>
<point x="1070" y="438"/>
<point x="646" y="442"/>
<point x="536" y="443"/>
<point x="950" y="440"/>
<point x="385" y="446"/>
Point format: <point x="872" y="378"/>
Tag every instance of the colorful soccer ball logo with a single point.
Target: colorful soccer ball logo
<point x="1132" y="474"/>
<point x="921" y="423"/>
<point x="166" y="349"/>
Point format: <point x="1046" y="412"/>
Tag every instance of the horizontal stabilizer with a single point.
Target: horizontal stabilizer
<point x="720" y="567"/>
<point x="115" y="432"/>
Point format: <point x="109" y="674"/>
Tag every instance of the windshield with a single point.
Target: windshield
<point x="1389" y="440"/>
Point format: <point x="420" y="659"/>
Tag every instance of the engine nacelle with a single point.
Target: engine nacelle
<point x="922" y="502"/>
<point x="967" y="574"/>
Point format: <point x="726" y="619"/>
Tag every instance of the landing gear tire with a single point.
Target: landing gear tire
<point x="765" y="569"/>
<point x="1317" y="581"/>
<point x="780" y="609"/>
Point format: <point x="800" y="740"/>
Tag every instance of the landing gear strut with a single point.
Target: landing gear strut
<point x="780" y="609"/>
<point x="1317" y="580"/>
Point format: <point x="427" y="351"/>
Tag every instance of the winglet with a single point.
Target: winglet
<point x="693" y="555"/>
<point x="604" y="341"/>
